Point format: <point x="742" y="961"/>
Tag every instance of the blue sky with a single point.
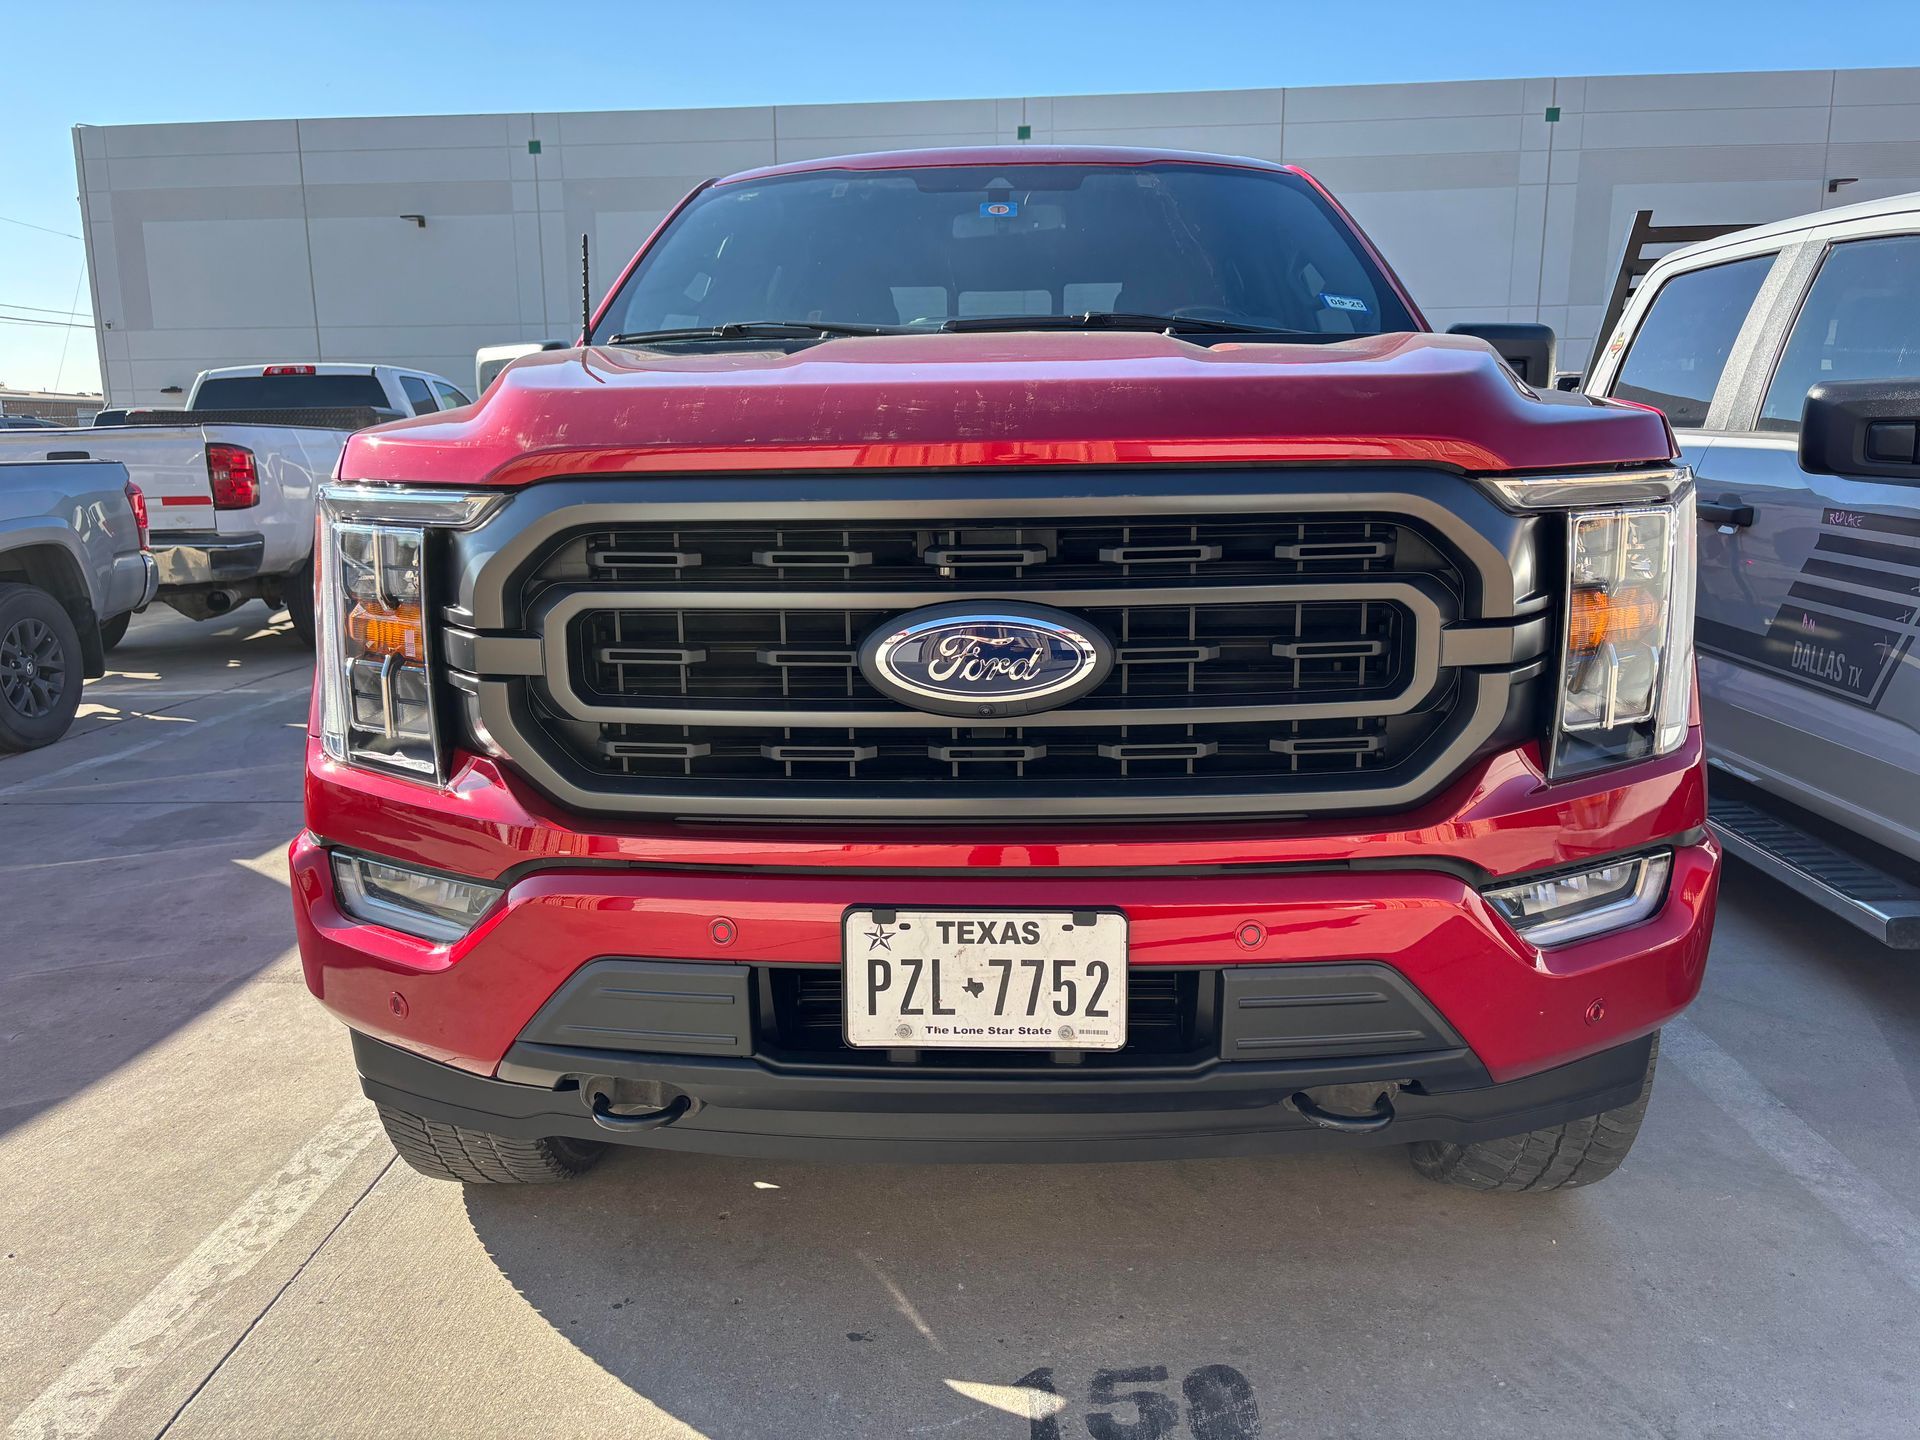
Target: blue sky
<point x="134" y="61"/>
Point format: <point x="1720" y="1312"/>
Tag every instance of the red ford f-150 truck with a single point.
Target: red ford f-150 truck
<point x="1009" y="654"/>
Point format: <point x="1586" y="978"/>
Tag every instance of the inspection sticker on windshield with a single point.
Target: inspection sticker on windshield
<point x="1343" y="302"/>
<point x="1000" y="209"/>
<point x="986" y="979"/>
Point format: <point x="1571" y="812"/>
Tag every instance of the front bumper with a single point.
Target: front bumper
<point x="1403" y="894"/>
<point x="747" y="1107"/>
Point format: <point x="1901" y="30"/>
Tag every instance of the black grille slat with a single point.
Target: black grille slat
<point x="1032" y="556"/>
<point x="1054" y="755"/>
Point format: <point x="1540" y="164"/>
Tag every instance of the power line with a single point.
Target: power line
<point x="43" y="309"/>
<point x="73" y="316"/>
<point x="56" y="324"/>
<point x="44" y="229"/>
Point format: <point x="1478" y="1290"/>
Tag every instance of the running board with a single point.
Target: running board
<point x="1883" y="905"/>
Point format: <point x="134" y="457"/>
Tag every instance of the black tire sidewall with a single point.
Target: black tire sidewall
<point x="24" y="732"/>
<point x="296" y="593"/>
<point x="115" y="630"/>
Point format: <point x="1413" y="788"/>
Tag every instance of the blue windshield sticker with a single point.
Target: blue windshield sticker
<point x="999" y="209"/>
<point x="1343" y="302"/>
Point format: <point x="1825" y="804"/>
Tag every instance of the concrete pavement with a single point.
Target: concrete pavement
<point x="202" y="1235"/>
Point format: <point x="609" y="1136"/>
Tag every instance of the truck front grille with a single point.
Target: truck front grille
<point x="1266" y="660"/>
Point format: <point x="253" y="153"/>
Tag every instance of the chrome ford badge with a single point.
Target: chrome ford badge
<point x="988" y="661"/>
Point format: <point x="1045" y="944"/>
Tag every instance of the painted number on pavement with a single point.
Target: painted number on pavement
<point x="1215" y="1403"/>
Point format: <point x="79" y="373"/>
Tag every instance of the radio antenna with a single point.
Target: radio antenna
<point x="586" y="293"/>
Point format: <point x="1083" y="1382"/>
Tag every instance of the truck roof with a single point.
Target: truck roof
<point x="307" y="367"/>
<point x="1008" y="155"/>
<point x="1795" y="224"/>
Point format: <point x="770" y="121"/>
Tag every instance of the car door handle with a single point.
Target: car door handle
<point x="1729" y="513"/>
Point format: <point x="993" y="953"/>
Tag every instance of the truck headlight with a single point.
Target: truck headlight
<point x="432" y="907"/>
<point x="1627" y="640"/>
<point x="372" y="605"/>
<point x="1579" y="904"/>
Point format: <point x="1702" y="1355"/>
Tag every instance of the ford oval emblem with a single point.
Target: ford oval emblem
<point x="988" y="660"/>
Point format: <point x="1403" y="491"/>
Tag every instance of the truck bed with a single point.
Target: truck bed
<point x="168" y="461"/>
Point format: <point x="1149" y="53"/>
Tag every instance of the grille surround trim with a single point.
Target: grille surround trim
<point x="556" y="611"/>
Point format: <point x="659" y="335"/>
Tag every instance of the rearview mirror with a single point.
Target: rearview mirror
<point x="1862" y="427"/>
<point x="1527" y="348"/>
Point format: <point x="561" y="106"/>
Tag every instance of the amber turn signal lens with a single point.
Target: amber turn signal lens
<point x="1599" y="618"/>
<point x="380" y="630"/>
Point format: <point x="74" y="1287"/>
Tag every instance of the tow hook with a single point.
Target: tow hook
<point x="1378" y="1096"/>
<point x="601" y="1095"/>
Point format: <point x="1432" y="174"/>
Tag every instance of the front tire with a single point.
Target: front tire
<point x="40" y="668"/>
<point x="1557" y="1157"/>
<point x="478" y="1157"/>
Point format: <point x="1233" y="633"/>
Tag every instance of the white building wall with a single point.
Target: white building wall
<point x="257" y="241"/>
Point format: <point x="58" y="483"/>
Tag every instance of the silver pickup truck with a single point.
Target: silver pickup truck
<point x="74" y="559"/>
<point x="233" y="476"/>
<point x="1787" y="359"/>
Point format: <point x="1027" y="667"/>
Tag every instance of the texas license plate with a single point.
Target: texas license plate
<point x="986" y="979"/>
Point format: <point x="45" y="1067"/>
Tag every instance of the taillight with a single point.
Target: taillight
<point x="288" y="370"/>
<point x="235" y="481"/>
<point x="139" y="503"/>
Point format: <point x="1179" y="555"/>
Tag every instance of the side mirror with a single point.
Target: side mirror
<point x="1862" y="427"/>
<point x="1527" y="348"/>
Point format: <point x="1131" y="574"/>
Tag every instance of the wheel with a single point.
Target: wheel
<point x="115" y="630"/>
<point x="297" y="595"/>
<point x="1556" y="1158"/>
<point x="477" y="1157"/>
<point x="40" y="675"/>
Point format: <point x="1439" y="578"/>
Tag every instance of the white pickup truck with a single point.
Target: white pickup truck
<point x="231" y="478"/>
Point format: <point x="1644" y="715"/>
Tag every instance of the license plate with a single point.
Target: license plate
<point x="986" y="979"/>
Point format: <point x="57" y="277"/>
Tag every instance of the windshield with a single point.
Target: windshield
<point x="907" y="248"/>
<point x="289" y="392"/>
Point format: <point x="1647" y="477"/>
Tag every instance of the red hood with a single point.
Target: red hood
<point x="1027" y="398"/>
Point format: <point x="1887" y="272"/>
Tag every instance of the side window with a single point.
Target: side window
<point x="418" y="395"/>
<point x="1861" y="321"/>
<point x="450" y="398"/>
<point x="1682" y="345"/>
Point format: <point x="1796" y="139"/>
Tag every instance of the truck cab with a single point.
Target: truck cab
<point x="1787" y="358"/>
<point x="324" y="385"/>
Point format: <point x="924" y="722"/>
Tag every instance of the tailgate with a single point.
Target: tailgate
<point x="169" y="465"/>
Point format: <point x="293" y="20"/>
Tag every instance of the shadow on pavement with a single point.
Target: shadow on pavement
<point x="138" y="867"/>
<point x="1782" y="956"/>
<point x="1217" y="1300"/>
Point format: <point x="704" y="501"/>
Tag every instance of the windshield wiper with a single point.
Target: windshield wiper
<point x="1119" y="320"/>
<point x="777" y="329"/>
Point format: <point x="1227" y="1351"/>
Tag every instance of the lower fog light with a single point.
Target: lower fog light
<point x="1580" y="904"/>
<point x="416" y="902"/>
